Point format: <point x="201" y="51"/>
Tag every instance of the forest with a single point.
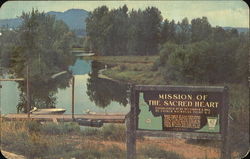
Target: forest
<point x="189" y="51"/>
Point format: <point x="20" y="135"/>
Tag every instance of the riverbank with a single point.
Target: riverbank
<point x="132" y="69"/>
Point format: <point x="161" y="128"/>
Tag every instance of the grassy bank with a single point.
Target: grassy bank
<point x="123" y="59"/>
<point x="65" y="140"/>
<point x="133" y="69"/>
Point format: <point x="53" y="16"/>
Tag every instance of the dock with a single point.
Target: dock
<point x="105" y="118"/>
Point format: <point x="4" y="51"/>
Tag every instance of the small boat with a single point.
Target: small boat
<point x="89" y="122"/>
<point x="37" y="111"/>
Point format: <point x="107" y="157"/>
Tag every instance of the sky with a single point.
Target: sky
<point x="233" y="13"/>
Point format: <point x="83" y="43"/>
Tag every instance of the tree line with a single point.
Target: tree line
<point x="189" y="50"/>
<point x="119" y="32"/>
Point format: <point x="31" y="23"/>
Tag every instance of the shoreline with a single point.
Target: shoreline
<point x="129" y="69"/>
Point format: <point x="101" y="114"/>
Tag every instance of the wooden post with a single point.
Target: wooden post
<point x="131" y="127"/>
<point x="73" y="98"/>
<point x="28" y="93"/>
<point x="225" y="149"/>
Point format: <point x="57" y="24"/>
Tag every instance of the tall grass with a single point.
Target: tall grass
<point x="113" y="132"/>
<point x="155" y="152"/>
<point x="53" y="141"/>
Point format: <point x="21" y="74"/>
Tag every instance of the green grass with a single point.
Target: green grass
<point x="112" y="132"/>
<point x="123" y="59"/>
<point x="134" y="69"/>
<point x="135" y="73"/>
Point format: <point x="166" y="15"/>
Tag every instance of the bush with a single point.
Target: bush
<point x="205" y="61"/>
<point x="156" y="65"/>
<point x="114" y="132"/>
<point x="33" y="126"/>
<point x="61" y="128"/>
<point x="71" y="127"/>
<point x="91" y="132"/>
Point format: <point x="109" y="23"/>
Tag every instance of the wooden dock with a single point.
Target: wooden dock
<point x="105" y="118"/>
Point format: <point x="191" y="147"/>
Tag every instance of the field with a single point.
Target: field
<point x="66" y="140"/>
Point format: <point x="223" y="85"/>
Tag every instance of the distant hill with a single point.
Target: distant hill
<point x="11" y="23"/>
<point x="240" y="30"/>
<point x="74" y="18"/>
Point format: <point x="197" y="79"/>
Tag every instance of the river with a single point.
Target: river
<point x="91" y="93"/>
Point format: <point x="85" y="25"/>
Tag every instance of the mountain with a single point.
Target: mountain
<point x="74" y="18"/>
<point x="11" y="23"/>
<point x="240" y="30"/>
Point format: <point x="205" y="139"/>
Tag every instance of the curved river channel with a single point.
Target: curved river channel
<point x="91" y="93"/>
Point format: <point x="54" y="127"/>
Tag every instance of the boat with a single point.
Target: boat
<point x="89" y="122"/>
<point x="37" y="111"/>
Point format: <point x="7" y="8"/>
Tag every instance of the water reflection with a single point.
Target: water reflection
<point x="42" y="92"/>
<point x="103" y="91"/>
<point x="91" y="92"/>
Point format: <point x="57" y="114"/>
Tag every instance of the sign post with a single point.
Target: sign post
<point x="131" y="127"/>
<point x="191" y="112"/>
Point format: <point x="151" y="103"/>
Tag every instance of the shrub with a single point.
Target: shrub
<point x="71" y="127"/>
<point x="91" y="132"/>
<point x="61" y="128"/>
<point x="156" y="65"/>
<point x="114" y="132"/>
<point x="33" y="126"/>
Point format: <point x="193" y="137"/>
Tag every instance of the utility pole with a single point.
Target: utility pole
<point x="73" y="98"/>
<point x="28" y="95"/>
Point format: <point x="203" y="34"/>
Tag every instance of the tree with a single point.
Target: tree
<point x="135" y="33"/>
<point x="183" y="32"/>
<point x="168" y="32"/>
<point x="242" y="61"/>
<point x="200" y="29"/>
<point x="115" y="32"/>
<point x="44" y="47"/>
<point x="151" y="30"/>
<point x="96" y="28"/>
<point x="219" y="34"/>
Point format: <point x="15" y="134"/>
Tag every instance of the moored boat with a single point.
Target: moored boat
<point x="37" y="111"/>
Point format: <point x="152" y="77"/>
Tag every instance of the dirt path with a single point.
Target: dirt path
<point x="10" y="155"/>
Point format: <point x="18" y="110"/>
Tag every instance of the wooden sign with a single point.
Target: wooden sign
<point x="191" y="112"/>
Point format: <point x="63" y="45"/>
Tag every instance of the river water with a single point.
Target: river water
<point x="91" y="93"/>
